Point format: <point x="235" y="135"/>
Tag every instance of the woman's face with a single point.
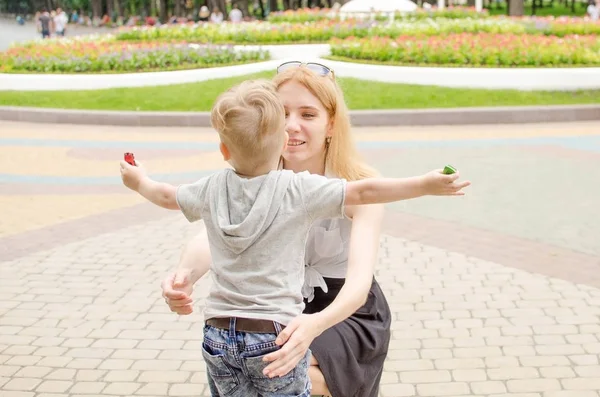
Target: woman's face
<point x="307" y="124"/>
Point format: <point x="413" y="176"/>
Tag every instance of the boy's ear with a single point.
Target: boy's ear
<point x="224" y="151"/>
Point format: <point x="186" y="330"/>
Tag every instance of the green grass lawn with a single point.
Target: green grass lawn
<point x="556" y="9"/>
<point x="360" y="94"/>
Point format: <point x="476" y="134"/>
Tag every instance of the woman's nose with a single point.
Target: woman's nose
<point x="291" y="124"/>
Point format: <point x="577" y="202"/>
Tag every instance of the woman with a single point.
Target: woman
<point x="318" y="125"/>
<point x="347" y="319"/>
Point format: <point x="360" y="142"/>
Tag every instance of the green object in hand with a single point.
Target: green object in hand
<point x="449" y="170"/>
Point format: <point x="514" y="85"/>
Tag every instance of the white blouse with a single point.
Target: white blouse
<point x="326" y="254"/>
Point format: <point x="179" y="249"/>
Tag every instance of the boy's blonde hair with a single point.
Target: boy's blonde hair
<point x="341" y="157"/>
<point x="250" y="120"/>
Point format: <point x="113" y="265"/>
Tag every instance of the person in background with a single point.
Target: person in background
<point x="45" y="23"/>
<point x="60" y="22"/>
<point x="593" y="11"/>
<point x="204" y="14"/>
<point x="235" y="16"/>
<point x="216" y="16"/>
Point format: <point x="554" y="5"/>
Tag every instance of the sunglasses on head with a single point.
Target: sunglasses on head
<point x="319" y="69"/>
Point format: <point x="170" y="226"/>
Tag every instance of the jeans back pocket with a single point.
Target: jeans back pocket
<point x="255" y="365"/>
<point x="217" y="368"/>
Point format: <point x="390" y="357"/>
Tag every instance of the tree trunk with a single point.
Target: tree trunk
<point x="263" y="12"/>
<point x="96" y="8"/>
<point x="177" y="10"/>
<point x="516" y="8"/>
<point x="243" y="6"/>
<point x="273" y="6"/>
<point x="110" y="6"/>
<point x="162" y="10"/>
<point x="119" y="7"/>
<point x="223" y="8"/>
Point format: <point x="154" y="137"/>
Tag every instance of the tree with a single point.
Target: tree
<point x="220" y="4"/>
<point x="162" y="10"/>
<point x="516" y="8"/>
<point x="97" y="8"/>
<point x="243" y="6"/>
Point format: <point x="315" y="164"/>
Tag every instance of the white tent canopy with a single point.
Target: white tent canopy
<point x="366" y="6"/>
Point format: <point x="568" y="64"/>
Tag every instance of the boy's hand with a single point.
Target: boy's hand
<point x="132" y="176"/>
<point x="177" y="290"/>
<point x="435" y="183"/>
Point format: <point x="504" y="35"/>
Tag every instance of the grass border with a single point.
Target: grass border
<point x="173" y="69"/>
<point x="338" y="58"/>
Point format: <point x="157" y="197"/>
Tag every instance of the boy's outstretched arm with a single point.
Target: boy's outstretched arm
<point x="387" y="190"/>
<point x="161" y="194"/>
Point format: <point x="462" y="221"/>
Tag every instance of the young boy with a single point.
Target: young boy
<point x="257" y="219"/>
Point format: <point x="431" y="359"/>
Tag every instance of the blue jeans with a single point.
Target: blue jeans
<point x="234" y="365"/>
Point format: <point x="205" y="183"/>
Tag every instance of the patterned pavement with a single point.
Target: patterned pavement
<point x="495" y="294"/>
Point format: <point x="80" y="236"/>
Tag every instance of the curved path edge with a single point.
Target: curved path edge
<point x="525" y="79"/>
<point x="394" y="117"/>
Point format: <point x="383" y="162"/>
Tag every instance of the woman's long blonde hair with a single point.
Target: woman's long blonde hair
<point x="341" y="157"/>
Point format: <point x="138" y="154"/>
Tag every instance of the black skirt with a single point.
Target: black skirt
<point x="351" y="354"/>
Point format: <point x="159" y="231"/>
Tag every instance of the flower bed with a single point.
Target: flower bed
<point x="473" y="50"/>
<point x="66" y="56"/>
<point x="319" y="32"/>
<point x="299" y="16"/>
<point x="562" y="26"/>
<point x="305" y="15"/>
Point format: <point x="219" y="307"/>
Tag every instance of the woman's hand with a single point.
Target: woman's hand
<point x="296" y="339"/>
<point x="177" y="290"/>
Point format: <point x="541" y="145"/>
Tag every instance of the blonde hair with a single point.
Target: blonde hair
<point x="341" y="157"/>
<point x="250" y="120"/>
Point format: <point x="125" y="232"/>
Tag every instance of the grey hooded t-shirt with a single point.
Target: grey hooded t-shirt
<point x="257" y="230"/>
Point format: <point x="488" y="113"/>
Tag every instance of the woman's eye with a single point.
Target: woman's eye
<point x="308" y="115"/>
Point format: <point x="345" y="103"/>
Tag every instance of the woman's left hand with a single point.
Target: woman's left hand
<point x="296" y="339"/>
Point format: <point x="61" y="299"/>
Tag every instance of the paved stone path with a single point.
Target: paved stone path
<point x="11" y="32"/>
<point x="496" y="294"/>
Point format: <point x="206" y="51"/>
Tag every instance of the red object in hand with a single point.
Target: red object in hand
<point x="130" y="159"/>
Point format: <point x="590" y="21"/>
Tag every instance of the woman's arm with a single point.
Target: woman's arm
<point x="299" y="334"/>
<point x="194" y="263"/>
<point x="362" y="257"/>
<point x="195" y="257"/>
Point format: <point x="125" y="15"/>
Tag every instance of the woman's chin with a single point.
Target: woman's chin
<point x="294" y="151"/>
<point x="293" y="156"/>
